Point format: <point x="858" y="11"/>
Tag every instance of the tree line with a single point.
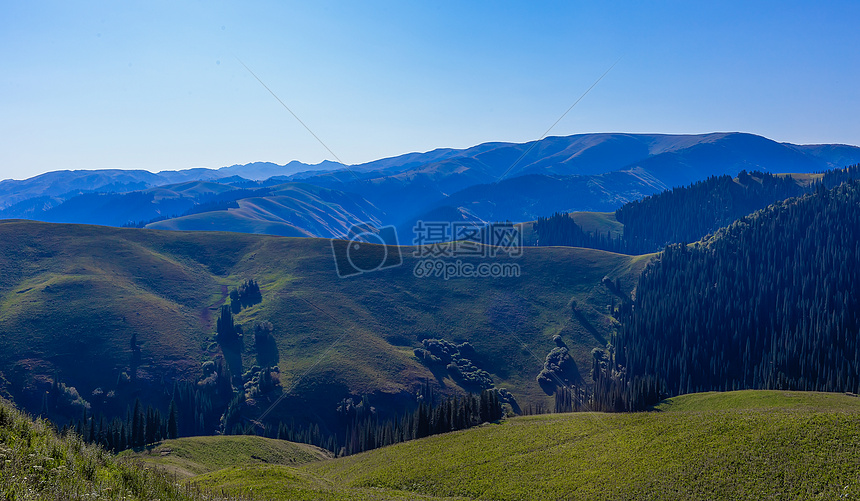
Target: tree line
<point x="362" y="429"/>
<point x="685" y="214"/>
<point x="429" y="418"/>
<point x="560" y="230"/>
<point x="770" y="302"/>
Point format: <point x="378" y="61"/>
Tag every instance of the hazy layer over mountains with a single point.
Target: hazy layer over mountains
<point x="487" y="182"/>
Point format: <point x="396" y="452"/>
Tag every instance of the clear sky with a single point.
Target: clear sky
<point x="158" y="85"/>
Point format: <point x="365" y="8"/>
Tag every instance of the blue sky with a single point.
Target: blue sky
<point x="157" y="85"/>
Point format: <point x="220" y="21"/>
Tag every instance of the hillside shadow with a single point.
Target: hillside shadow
<point x="589" y="327"/>
<point x="613" y="288"/>
<point x="440" y="372"/>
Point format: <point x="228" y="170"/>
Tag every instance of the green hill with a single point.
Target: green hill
<point x="737" y="445"/>
<point x="191" y="456"/>
<point x="232" y="219"/>
<point x="72" y="297"/>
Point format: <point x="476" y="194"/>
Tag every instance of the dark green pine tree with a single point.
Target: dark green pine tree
<point x="172" y="421"/>
<point x="137" y="425"/>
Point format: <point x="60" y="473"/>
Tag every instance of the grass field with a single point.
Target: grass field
<point x="737" y="445"/>
<point x="72" y="296"/>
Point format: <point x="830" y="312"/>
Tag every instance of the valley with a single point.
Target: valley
<point x="76" y="292"/>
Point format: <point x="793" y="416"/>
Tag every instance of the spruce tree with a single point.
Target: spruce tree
<point x="172" y="424"/>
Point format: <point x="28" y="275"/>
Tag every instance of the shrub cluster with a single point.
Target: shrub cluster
<point x="259" y="381"/>
<point x="559" y="368"/>
<point x="438" y="352"/>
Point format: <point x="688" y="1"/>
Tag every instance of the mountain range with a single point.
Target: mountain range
<point x="488" y="182"/>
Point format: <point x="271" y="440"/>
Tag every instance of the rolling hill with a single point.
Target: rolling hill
<point x="670" y="155"/>
<point x="682" y="214"/>
<point x="117" y="209"/>
<point x="191" y="456"/>
<point x="291" y="209"/>
<point x="94" y="319"/>
<point x="73" y="296"/>
<point x="531" y="196"/>
<point x="732" y="446"/>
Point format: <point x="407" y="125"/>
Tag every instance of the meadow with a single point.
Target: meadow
<point x="736" y="445"/>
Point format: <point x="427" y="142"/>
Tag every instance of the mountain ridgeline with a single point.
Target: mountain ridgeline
<point x="686" y="214"/>
<point x="488" y="182"/>
<point x="768" y="302"/>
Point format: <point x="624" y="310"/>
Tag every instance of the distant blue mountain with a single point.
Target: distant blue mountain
<point x="673" y="159"/>
<point x="487" y="182"/>
<point x="65" y="184"/>
<point x="496" y="181"/>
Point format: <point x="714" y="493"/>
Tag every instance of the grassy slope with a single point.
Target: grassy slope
<point x="75" y="294"/>
<point x="188" y="189"/>
<point x="738" y="445"/>
<point x="599" y="222"/>
<point x="72" y="296"/>
<point x="191" y="456"/>
<point x="37" y="464"/>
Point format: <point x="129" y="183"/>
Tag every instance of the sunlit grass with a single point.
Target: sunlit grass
<point x="196" y="455"/>
<point x="739" y="445"/>
<point x="35" y="463"/>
